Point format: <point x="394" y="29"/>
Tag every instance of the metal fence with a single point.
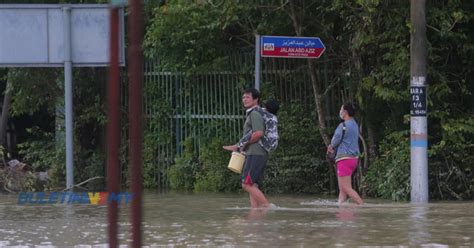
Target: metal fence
<point x="197" y="107"/>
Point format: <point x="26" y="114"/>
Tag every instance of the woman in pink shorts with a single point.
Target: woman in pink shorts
<point x="346" y="144"/>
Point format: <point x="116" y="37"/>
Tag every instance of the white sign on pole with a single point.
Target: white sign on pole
<point x="33" y="35"/>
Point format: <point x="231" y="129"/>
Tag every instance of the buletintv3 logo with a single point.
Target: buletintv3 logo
<point x="92" y="198"/>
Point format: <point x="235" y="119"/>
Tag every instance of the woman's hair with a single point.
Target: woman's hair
<point x="272" y="106"/>
<point x="350" y="107"/>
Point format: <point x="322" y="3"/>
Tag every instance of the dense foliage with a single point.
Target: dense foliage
<point x="368" y="52"/>
<point x="368" y="43"/>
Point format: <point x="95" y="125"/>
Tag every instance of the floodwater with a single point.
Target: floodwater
<point x="224" y="220"/>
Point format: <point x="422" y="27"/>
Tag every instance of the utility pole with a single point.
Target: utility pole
<point x="135" y="89"/>
<point x="418" y="109"/>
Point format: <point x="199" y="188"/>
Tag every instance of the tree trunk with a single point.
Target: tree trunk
<point x="372" y="153"/>
<point x="296" y="14"/>
<point x="5" y="110"/>
<point x="318" y="102"/>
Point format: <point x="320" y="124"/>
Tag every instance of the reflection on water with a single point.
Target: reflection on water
<point x="418" y="231"/>
<point x="345" y="214"/>
<point x="225" y="220"/>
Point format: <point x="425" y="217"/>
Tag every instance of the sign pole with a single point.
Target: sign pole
<point x="257" y="62"/>
<point x="418" y="110"/>
<point x="68" y="98"/>
<point x="113" y="126"/>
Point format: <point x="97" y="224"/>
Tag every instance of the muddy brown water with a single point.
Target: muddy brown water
<point x="225" y="220"/>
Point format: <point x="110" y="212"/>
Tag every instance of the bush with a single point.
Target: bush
<point x="43" y="153"/>
<point x="389" y="176"/>
<point x="205" y="170"/>
<point x="450" y="160"/>
<point x="297" y="165"/>
<point x="182" y="174"/>
<point x="213" y="175"/>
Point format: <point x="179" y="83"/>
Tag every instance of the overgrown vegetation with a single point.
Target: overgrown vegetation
<point x="368" y="43"/>
<point x="368" y="49"/>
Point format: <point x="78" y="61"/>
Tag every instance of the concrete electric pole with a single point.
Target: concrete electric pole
<point x="418" y="109"/>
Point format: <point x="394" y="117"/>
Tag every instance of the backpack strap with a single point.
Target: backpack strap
<point x="259" y="110"/>
<point x="342" y="137"/>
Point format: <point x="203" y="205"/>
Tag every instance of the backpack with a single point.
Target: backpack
<point x="270" y="138"/>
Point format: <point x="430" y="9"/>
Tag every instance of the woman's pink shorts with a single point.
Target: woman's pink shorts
<point x="345" y="167"/>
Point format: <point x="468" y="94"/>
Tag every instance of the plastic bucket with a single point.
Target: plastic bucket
<point x="236" y="162"/>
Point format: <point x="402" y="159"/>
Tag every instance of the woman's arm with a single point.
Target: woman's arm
<point x="336" y="138"/>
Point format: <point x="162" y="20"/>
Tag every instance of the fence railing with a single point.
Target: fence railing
<point x="179" y="107"/>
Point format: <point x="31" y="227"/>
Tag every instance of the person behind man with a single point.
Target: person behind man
<point x="256" y="155"/>
<point x="347" y="155"/>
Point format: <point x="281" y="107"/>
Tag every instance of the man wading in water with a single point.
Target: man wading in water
<point x="256" y="155"/>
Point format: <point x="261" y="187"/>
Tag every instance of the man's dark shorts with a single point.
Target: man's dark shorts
<point x="253" y="169"/>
